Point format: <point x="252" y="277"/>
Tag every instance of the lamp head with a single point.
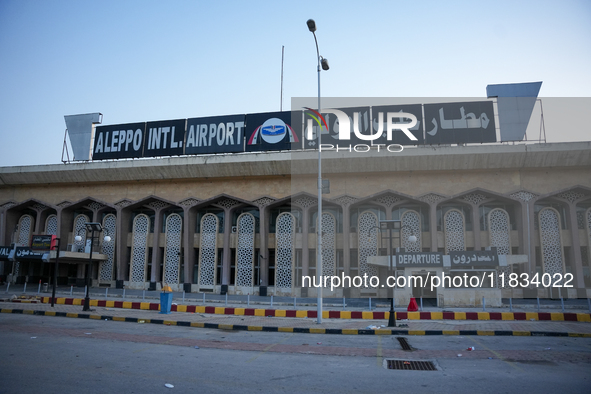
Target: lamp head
<point x="412" y="238"/>
<point x="311" y="25"/>
<point x="324" y="64"/>
<point x="78" y="238"/>
<point x="107" y="238"/>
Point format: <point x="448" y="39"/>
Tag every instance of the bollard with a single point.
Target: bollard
<point x="124" y="293"/>
<point x="85" y="289"/>
<point x="71" y="290"/>
<point x="421" y="303"/>
<point x="106" y="292"/>
<point x="271" y="301"/>
<point x="562" y="303"/>
<point x="143" y="295"/>
<point x="510" y="304"/>
<point x="248" y="300"/>
<point x="183" y="296"/>
<point x="39" y="289"/>
<point x="538" y="303"/>
<point x="203" y="298"/>
<point x="25" y="288"/>
<point x="226" y="298"/>
<point x="483" y="304"/>
<point x="370" y="303"/>
<point x="294" y="302"/>
<point x="8" y="287"/>
<point x="344" y="303"/>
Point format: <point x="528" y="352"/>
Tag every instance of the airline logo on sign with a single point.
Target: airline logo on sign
<point x="271" y="132"/>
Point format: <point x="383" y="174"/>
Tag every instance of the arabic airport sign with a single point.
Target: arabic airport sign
<point x="481" y="258"/>
<point x="466" y="122"/>
<point x="390" y="125"/>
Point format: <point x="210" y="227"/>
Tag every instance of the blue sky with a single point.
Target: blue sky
<point x="152" y="60"/>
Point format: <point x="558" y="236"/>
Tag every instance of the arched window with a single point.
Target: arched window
<point x="551" y="241"/>
<point x="454" y="225"/>
<point x="245" y="250"/>
<point x="284" y="250"/>
<point x="208" y="250"/>
<point x="139" y="248"/>
<point x="367" y="236"/>
<point x="172" y="251"/>
<point x="110" y="229"/>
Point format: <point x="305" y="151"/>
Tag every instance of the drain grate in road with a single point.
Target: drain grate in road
<point x="411" y="365"/>
<point x="404" y="343"/>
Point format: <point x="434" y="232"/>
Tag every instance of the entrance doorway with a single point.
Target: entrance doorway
<point x="422" y="288"/>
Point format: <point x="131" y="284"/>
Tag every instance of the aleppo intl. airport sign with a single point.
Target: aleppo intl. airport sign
<point x="413" y="124"/>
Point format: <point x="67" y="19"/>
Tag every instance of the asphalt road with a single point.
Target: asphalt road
<point x="41" y="354"/>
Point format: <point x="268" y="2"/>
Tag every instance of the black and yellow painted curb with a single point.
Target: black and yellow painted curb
<point x="301" y="330"/>
<point x="310" y="314"/>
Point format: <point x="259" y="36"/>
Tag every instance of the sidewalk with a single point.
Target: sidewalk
<point x="308" y="325"/>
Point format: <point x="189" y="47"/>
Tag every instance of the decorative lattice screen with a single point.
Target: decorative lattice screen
<point x="411" y="225"/>
<point x="51" y="225"/>
<point x="550" y="241"/>
<point x="172" y="250"/>
<point x="139" y="248"/>
<point x="208" y="250"/>
<point x="368" y="241"/>
<point x="80" y="230"/>
<point x="454" y="231"/>
<point x="245" y="250"/>
<point x="110" y="229"/>
<point x="329" y="223"/>
<point x="284" y="250"/>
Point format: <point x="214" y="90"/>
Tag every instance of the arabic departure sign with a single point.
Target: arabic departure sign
<point x="481" y="258"/>
<point x="25" y="253"/>
<point x="215" y="134"/>
<point x="458" y="123"/>
<point x="119" y="141"/>
<point x="272" y="131"/>
<point x="419" y="260"/>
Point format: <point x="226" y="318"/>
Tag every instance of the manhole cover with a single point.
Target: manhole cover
<point x="411" y="365"/>
<point x="404" y="343"/>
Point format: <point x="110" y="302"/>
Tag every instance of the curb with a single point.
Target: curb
<point x="507" y="316"/>
<point x="299" y="330"/>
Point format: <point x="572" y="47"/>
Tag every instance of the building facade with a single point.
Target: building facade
<point x="246" y="223"/>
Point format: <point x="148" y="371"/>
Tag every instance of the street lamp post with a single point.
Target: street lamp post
<point x="92" y="227"/>
<point x="322" y="64"/>
<point x="57" y="257"/>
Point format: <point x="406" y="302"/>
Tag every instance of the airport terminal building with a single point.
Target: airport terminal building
<point x="244" y="221"/>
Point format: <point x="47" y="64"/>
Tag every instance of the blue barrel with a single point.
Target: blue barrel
<point x="165" y="302"/>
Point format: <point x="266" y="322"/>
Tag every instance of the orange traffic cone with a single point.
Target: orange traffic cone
<point x="412" y="305"/>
